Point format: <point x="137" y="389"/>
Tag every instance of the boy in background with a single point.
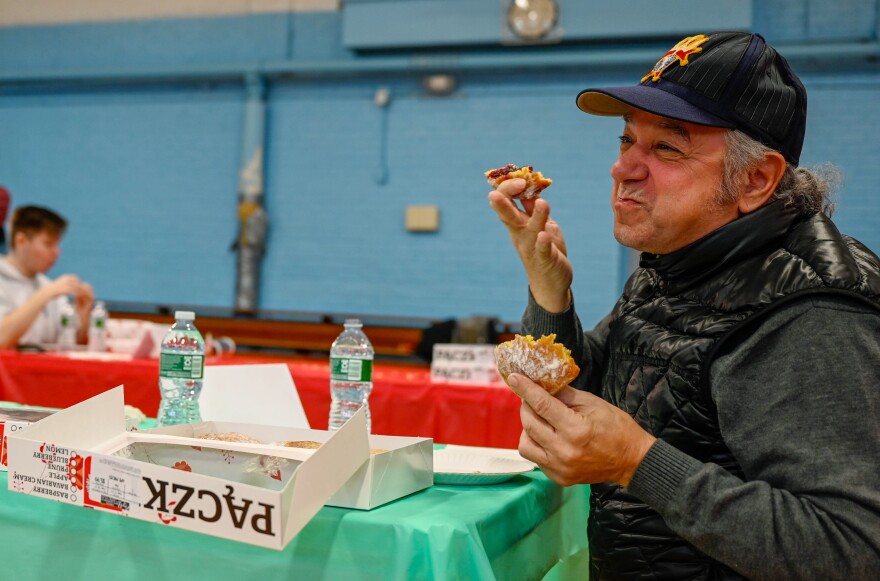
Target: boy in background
<point x="30" y="302"/>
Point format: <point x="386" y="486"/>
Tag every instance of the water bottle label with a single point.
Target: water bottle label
<point x="180" y="366"/>
<point x="351" y="369"/>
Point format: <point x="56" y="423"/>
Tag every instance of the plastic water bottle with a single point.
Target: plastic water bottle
<point x="69" y="324"/>
<point x="181" y="367"/>
<point x="351" y="374"/>
<point x="98" y="327"/>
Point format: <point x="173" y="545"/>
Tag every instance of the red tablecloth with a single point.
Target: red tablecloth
<point x="404" y="402"/>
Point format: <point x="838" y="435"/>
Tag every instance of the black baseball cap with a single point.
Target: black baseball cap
<point x="721" y="79"/>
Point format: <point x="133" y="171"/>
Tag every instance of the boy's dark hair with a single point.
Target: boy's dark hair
<point x="35" y="219"/>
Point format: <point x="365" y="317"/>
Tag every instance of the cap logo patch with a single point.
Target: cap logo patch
<point x="680" y="52"/>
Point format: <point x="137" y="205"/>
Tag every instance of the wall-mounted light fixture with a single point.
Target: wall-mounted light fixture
<point x="382" y="97"/>
<point x="532" y="20"/>
<point x="440" y="84"/>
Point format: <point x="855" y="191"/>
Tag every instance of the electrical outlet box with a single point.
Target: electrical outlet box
<point x="422" y="218"/>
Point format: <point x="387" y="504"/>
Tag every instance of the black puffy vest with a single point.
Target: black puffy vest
<point x="677" y="312"/>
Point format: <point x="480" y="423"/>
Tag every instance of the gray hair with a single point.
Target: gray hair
<point x="809" y="190"/>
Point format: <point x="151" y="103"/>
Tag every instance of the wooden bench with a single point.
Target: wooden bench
<point x="293" y="331"/>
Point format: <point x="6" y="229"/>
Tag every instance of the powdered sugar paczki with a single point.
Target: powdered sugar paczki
<point x="545" y="362"/>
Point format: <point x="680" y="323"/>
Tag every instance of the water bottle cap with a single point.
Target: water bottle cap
<point x="185" y="315"/>
<point x="353" y="323"/>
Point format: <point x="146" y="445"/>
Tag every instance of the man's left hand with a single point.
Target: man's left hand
<point x="576" y="437"/>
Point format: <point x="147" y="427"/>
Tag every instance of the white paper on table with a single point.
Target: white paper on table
<point x="496" y="452"/>
<point x="252" y="394"/>
<point x="139" y="339"/>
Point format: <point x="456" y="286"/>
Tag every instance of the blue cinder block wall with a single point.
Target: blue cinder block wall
<point x="148" y="173"/>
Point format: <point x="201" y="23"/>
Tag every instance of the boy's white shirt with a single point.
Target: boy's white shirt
<point x="15" y="290"/>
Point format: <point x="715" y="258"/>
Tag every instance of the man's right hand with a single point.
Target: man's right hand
<point x="539" y="242"/>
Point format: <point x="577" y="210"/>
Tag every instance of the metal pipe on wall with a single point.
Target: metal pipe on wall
<point x="252" y="217"/>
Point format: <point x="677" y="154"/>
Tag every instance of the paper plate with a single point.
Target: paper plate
<point x="462" y="468"/>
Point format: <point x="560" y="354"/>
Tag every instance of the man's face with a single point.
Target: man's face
<point x="38" y="252"/>
<point x="665" y="183"/>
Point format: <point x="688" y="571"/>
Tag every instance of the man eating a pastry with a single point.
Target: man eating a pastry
<point x="726" y="412"/>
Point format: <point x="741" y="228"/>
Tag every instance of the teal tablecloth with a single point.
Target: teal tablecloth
<point x="519" y="529"/>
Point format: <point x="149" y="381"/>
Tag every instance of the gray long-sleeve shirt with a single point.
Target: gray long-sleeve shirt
<point x="799" y="408"/>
